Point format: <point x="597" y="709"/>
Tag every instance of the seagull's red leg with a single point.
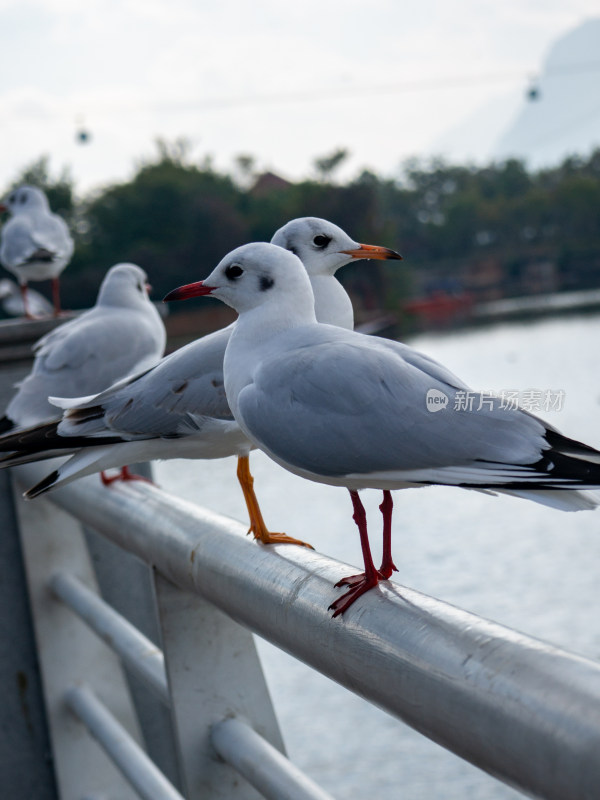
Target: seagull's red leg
<point x="123" y="475"/>
<point x="387" y="564"/>
<point x="370" y="577"/>
<point x="56" y="296"/>
<point x="257" y="523"/>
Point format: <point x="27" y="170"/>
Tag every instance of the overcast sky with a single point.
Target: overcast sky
<point x="284" y="82"/>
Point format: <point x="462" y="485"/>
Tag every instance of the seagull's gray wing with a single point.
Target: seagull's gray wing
<point x="424" y="362"/>
<point x="18" y="242"/>
<point x="50" y="232"/>
<point x="346" y="406"/>
<point x="170" y="400"/>
<point x="41" y="234"/>
<point x="84" y="356"/>
<point x="88" y="344"/>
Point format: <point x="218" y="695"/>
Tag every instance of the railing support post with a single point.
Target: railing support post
<point x="213" y="672"/>
<point x="70" y="653"/>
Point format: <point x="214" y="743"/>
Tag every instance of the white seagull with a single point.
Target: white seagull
<point x="35" y="243"/>
<point x="178" y="409"/>
<point x="345" y="409"/>
<point x="11" y="297"/>
<point x="121" y="334"/>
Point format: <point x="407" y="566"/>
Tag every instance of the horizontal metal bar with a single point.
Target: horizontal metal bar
<point x="261" y="764"/>
<point x="135" y="765"/>
<point x="140" y="654"/>
<point x="524" y="711"/>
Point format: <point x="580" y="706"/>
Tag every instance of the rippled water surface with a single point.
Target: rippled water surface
<point x="513" y="561"/>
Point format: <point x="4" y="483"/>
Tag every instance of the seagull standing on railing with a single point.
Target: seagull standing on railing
<point x="35" y="243"/>
<point x="179" y="409"/>
<point x="346" y="409"/>
<point x="121" y="334"/>
<point x="11" y="298"/>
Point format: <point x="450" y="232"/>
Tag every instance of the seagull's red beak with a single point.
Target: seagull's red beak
<point x="372" y="251"/>
<point x="3" y="208"/>
<point x="190" y="290"/>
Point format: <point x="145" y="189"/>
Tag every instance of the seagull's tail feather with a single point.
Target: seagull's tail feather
<point x="44" y="441"/>
<point x="43" y="486"/>
<point x="15" y="459"/>
<point x="83" y="463"/>
<point x="563" y="500"/>
<point x="570" y="447"/>
<point x="6" y="424"/>
<point x="25" y="440"/>
<point x="566" y="477"/>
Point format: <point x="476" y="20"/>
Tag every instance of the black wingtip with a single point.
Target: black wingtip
<point x="6" y="424"/>
<point x="43" y="486"/>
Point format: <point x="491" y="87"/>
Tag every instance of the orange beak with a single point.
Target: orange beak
<point x="373" y="252"/>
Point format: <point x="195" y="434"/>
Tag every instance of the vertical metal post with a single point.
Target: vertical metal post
<point x="26" y="767"/>
<point x="70" y="653"/>
<point x="214" y="672"/>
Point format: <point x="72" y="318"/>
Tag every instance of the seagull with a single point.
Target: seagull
<point x="121" y="334"/>
<point x="346" y="409"/>
<point x="35" y="243"/>
<point x="12" y="301"/>
<point x="179" y="409"/>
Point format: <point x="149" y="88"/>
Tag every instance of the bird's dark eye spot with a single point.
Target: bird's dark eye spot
<point x="233" y="272"/>
<point x="12" y="198"/>
<point x="266" y="283"/>
<point x="321" y="240"/>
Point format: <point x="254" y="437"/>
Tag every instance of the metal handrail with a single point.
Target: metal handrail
<point x="524" y="711"/>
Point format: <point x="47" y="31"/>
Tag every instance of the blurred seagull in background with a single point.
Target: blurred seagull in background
<point x="179" y="409"/>
<point x="35" y="244"/>
<point x="345" y="409"/>
<point x="13" y="303"/>
<point x="121" y="334"/>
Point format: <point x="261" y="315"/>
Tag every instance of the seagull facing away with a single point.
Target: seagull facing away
<point x="345" y="409"/>
<point x="121" y="334"/>
<point x="35" y="243"/>
<point x="178" y="409"/>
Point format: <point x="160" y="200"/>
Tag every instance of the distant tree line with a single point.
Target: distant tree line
<point x="493" y="231"/>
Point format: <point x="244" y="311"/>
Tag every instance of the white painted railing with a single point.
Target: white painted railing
<point x="524" y="711"/>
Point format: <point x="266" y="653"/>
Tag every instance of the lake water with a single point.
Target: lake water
<point x="518" y="563"/>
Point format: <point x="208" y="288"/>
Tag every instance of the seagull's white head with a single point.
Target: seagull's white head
<point x="26" y="199"/>
<point x="324" y="247"/>
<point x="254" y="275"/>
<point x="124" y="285"/>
